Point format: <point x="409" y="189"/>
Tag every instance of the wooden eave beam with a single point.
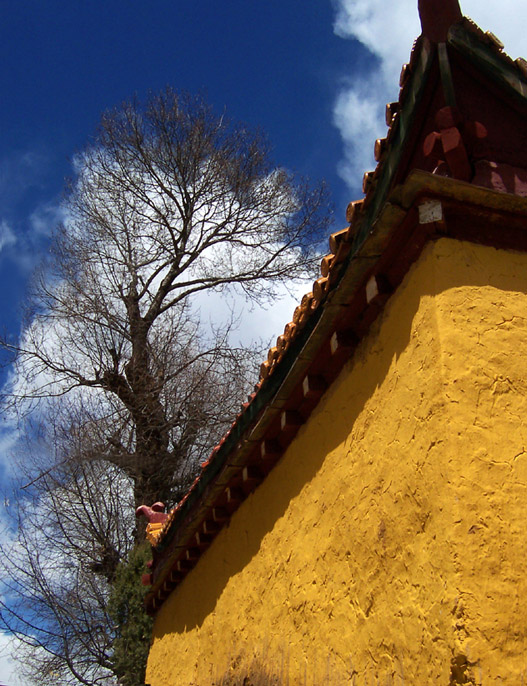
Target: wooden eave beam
<point x="368" y="247"/>
<point x="346" y="309"/>
<point x="403" y="242"/>
<point x="387" y="223"/>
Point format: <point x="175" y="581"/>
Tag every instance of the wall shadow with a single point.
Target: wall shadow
<point x="234" y="548"/>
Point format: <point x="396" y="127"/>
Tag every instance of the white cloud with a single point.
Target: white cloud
<point x="22" y="178"/>
<point x="46" y="218"/>
<point x="8" y="441"/>
<point x="387" y="30"/>
<point x="7" y="237"/>
<point x="7" y="665"/>
<point x="253" y="323"/>
<point x="358" y="114"/>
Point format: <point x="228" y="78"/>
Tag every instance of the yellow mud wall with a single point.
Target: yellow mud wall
<point x="389" y="544"/>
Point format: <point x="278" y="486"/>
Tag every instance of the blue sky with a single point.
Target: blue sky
<point x="313" y="74"/>
<point x="276" y="65"/>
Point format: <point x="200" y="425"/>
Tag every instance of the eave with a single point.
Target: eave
<point x="403" y="208"/>
<point x="373" y="269"/>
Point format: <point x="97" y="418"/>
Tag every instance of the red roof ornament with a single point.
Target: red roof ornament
<point x="155" y="514"/>
<point x="437" y="16"/>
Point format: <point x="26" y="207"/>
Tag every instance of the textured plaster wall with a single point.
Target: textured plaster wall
<point x="390" y="540"/>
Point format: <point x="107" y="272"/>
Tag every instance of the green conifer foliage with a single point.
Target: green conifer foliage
<point x="134" y="626"/>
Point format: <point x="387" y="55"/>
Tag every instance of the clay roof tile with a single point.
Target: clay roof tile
<point x="437" y="16"/>
<point x="325" y="265"/>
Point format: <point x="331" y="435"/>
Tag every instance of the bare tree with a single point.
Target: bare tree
<point x="169" y="203"/>
<point x="170" y="206"/>
<point x="53" y="598"/>
<point x="74" y="531"/>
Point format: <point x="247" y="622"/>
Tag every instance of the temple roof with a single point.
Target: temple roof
<point x="454" y="162"/>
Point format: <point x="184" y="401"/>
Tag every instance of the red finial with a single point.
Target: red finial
<point x="437" y="16"/>
<point x="154" y="514"/>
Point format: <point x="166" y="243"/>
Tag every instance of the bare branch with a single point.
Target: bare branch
<point x="129" y="390"/>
